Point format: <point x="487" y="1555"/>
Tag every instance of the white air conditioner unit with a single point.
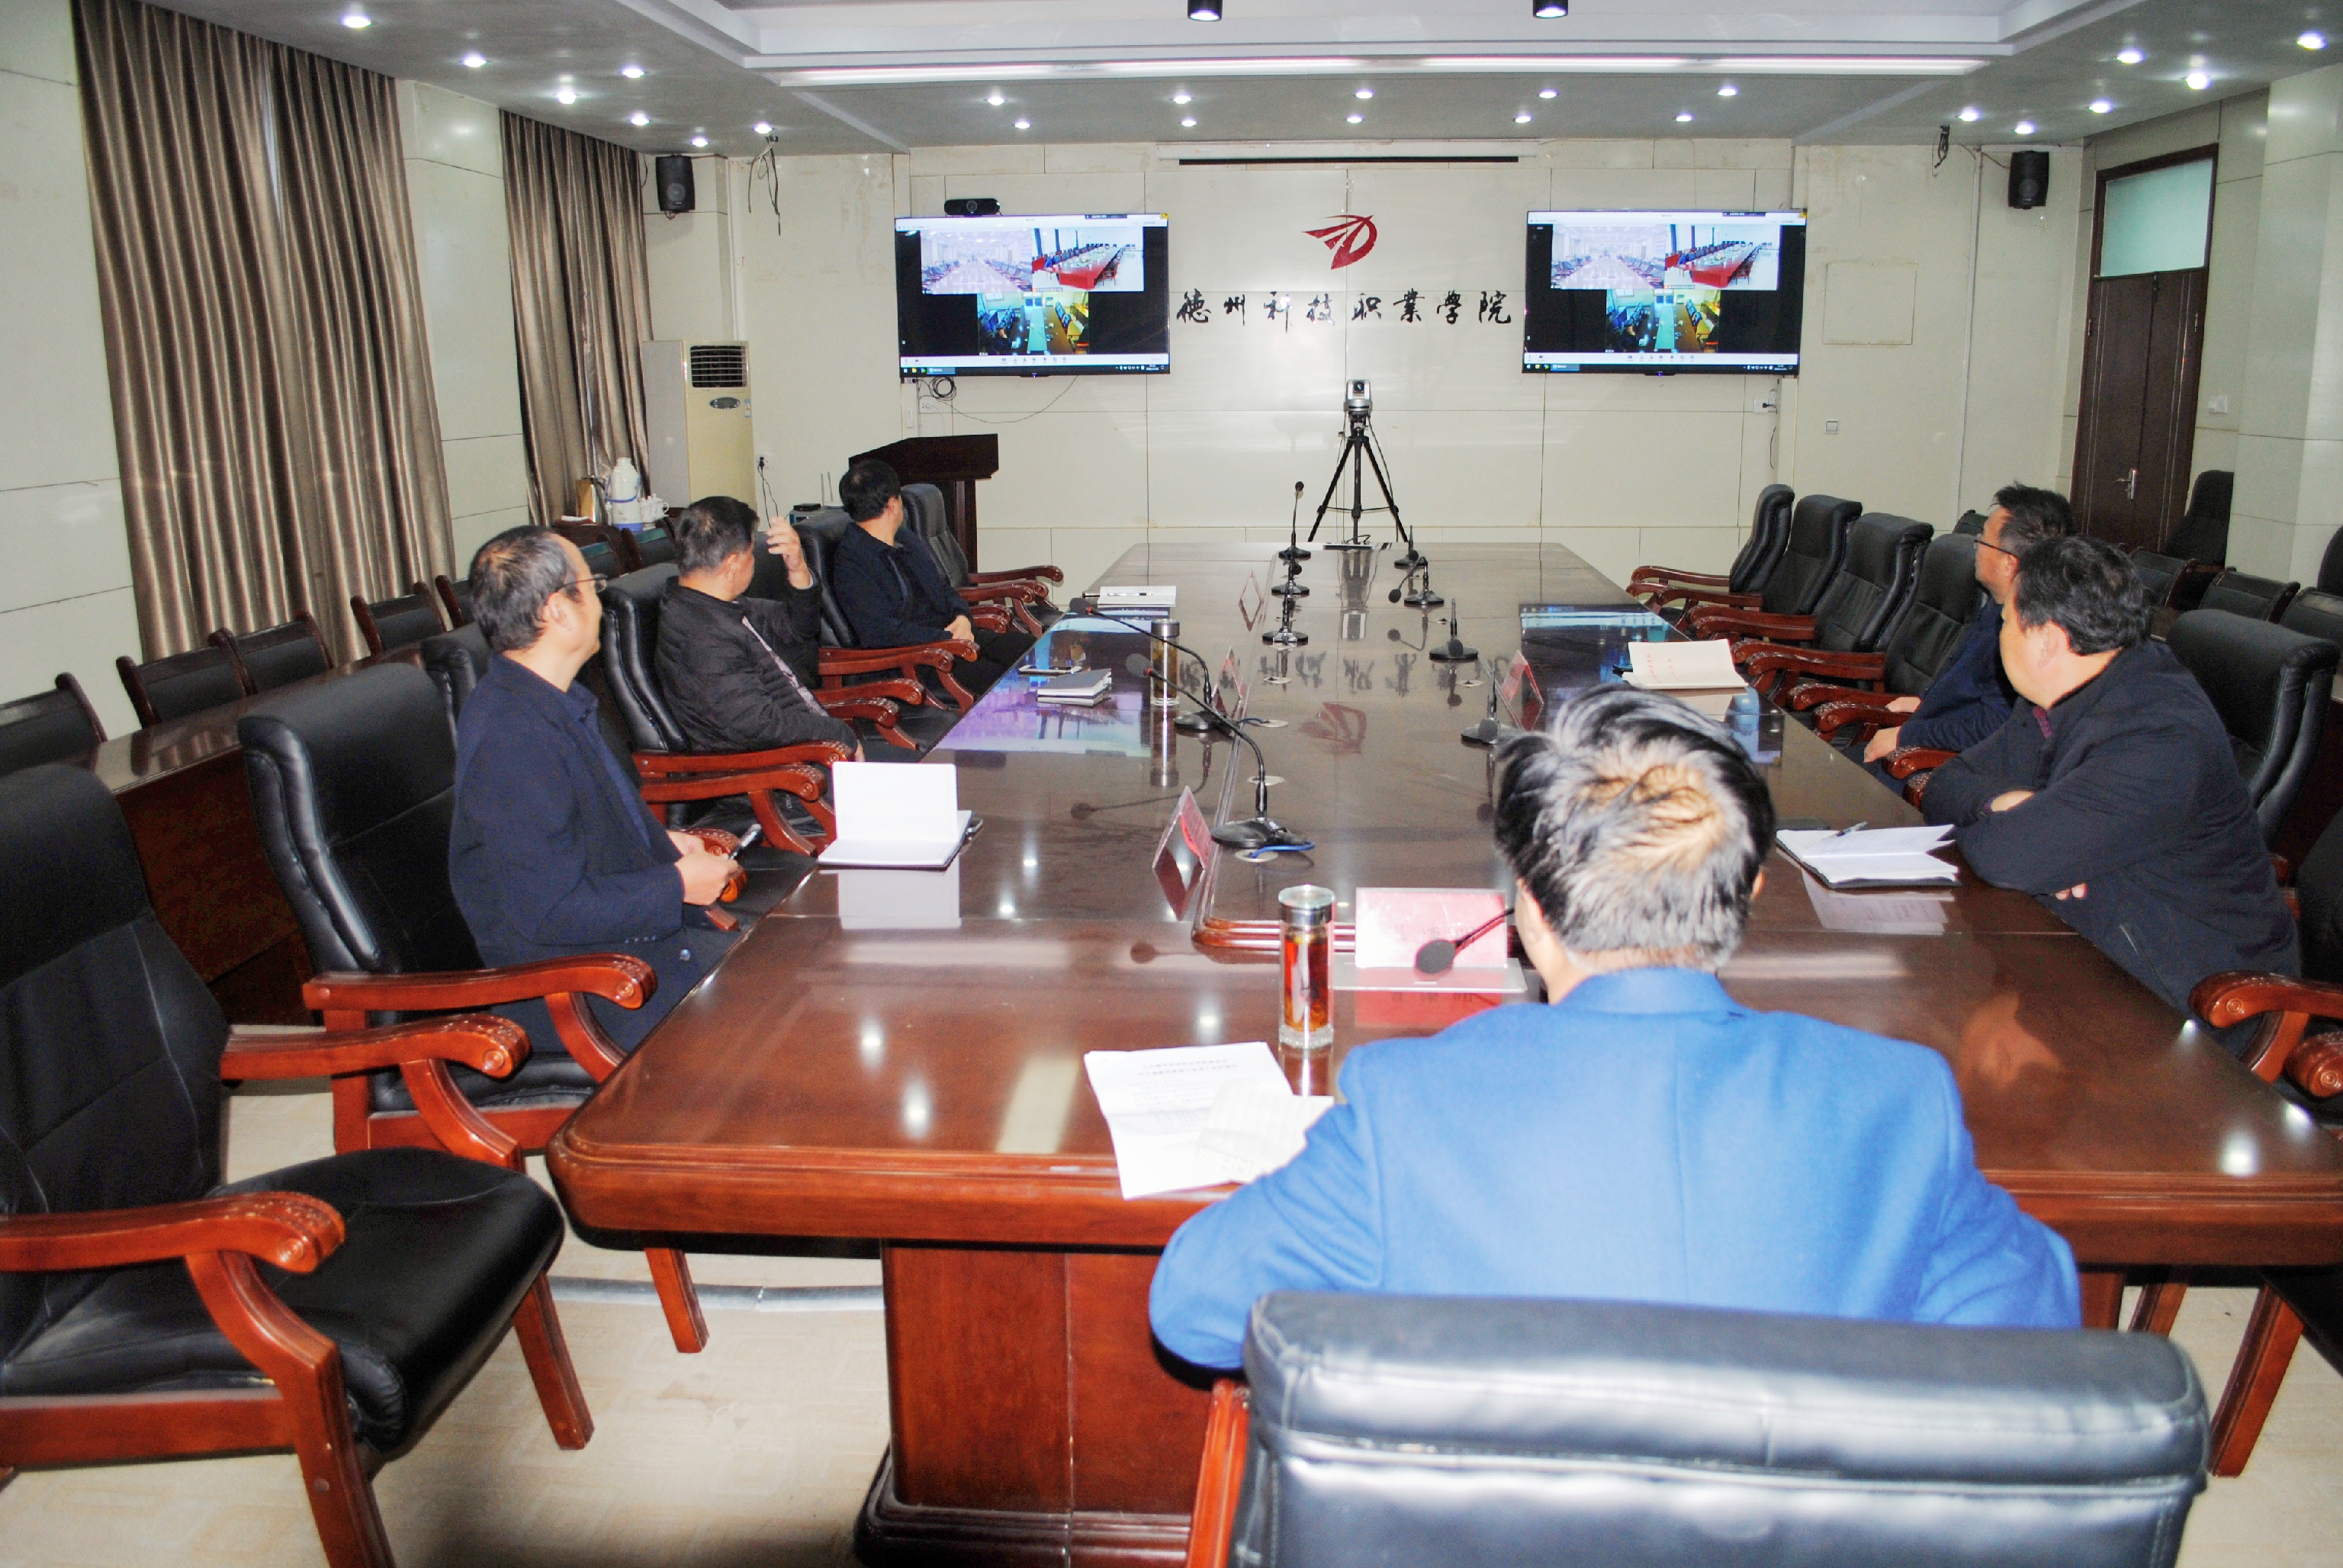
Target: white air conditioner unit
<point x="703" y="442"/>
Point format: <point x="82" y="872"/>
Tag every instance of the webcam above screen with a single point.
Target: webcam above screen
<point x="1664" y="293"/>
<point x="1074" y="295"/>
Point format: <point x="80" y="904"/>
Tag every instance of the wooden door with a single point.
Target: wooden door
<point x="2138" y="428"/>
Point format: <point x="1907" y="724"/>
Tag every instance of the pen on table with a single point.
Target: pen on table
<point x="1842" y="832"/>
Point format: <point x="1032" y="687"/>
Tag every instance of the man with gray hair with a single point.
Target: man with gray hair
<point x="1642" y="1137"/>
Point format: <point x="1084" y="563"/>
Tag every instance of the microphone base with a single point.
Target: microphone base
<point x="1411" y="560"/>
<point x="1289" y="589"/>
<point x="1258" y="833"/>
<point x="1194" y="724"/>
<point x="1294" y="553"/>
<point x="1488" y="732"/>
<point x="1454" y="652"/>
<point x="1284" y="636"/>
<point x="1422" y="598"/>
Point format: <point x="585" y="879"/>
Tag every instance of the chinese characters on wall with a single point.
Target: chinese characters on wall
<point x="1413" y="307"/>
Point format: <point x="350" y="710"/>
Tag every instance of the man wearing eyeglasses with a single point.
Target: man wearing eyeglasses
<point x="1971" y="696"/>
<point x="552" y="852"/>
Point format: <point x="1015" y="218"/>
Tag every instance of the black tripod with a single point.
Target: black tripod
<point x="1359" y="456"/>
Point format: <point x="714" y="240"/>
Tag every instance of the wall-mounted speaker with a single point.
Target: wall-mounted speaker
<point x="2029" y="178"/>
<point x="972" y="206"/>
<point x="675" y="189"/>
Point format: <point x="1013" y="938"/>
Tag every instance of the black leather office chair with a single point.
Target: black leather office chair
<point x="1860" y="607"/>
<point x="2173" y="582"/>
<point x="654" y="546"/>
<point x="2203" y="532"/>
<point x="1971" y="522"/>
<point x="1850" y="691"/>
<point x="2242" y="593"/>
<point x="456" y="660"/>
<point x="279" y="656"/>
<point x="166" y="689"/>
<point x="353" y="789"/>
<point x="54" y="725"/>
<point x="672" y="772"/>
<point x="455" y="596"/>
<point x="2271" y="687"/>
<point x="335" y="1308"/>
<point x="2330" y="564"/>
<point x="1751" y="569"/>
<point x="2315" y="613"/>
<point x="1811" y="559"/>
<point x="1023" y="593"/>
<point x="1447" y="1432"/>
<point x="388" y="623"/>
<point x="891" y="672"/>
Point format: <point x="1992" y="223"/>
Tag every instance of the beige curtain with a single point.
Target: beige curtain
<point x="272" y="388"/>
<point x="581" y="305"/>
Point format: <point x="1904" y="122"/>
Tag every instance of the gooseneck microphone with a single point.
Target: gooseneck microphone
<point x="1437" y="957"/>
<point x="1294" y="550"/>
<point x="1455" y="650"/>
<point x="1260" y="831"/>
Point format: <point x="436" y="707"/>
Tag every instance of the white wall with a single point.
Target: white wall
<point x="1625" y="470"/>
<point x="65" y="603"/>
<point x="455" y="191"/>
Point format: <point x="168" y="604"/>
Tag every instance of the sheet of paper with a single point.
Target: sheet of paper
<point x="1255" y="1129"/>
<point x="1158" y="1102"/>
<point x="1906" y="912"/>
<point x="1874" y="854"/>
<point x="1681" y="666"/>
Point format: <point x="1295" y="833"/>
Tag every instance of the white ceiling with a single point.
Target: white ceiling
<point x="1288" y="70"/>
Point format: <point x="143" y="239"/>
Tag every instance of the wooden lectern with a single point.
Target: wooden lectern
<point x="953" y="464"/>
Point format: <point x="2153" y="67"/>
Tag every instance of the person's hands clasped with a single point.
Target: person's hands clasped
<point x="962" y="629"/>
<point x="704" y="874"/>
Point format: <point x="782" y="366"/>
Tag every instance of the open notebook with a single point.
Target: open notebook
<point x="894" y="814"/>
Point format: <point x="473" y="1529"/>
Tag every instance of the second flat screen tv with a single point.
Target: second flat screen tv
<point x="1080" y="295"/>
<point x="1664" y="293"/>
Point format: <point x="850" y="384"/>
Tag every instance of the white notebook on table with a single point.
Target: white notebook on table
<point x="904" y="816"/>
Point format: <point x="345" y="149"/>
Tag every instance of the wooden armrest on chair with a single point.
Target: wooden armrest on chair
<point x="1749" y="624"/>
<point x="1695" y="598"/>
<point x="1831" y="717"/>
<point x="1802" y="695"/>
<point x="1906" y="760"/>
<point x="836" y="663"/>
<point x="1818" y="662"/>
<point x="677" y="764"/>
<point x="1221" y="1476"/>
<point x="1668" y="576"/>
<point x="291" y="1230"/>
<point x="1047" y="574"/>
<point x="481" y="1042"/>
<point x="2314" y="1065"/>
<point x="879" y="711"/>
<point x="344" y="997"/>
<point x="672" y="776"/>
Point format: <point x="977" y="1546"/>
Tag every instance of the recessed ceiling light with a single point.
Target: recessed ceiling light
<point x="700" y="141"/>
<point x="1355" y="119"/>
<point x="1203" y="10"/>
<point x="1549" y="92"/>
<point x="2313" y="40"/>
<point x="1364" y="93"/>
<point x="631" y="73"/>
<point x="2129" y="56"/>
<point x="2024" y="128"/>
<point x="475" y="60"/>
<point x="2199" y="80"/>
<point x="1728" y="91"/>
<point x="1971" y="114"/>
<point x="1549" y="8"/>
<point x="996" y="98"/>
<point x="355" y="20"/>
<point x="1024" y="125"/>
<point x="1523" y="118"/>
<point x="565" y="95"/>
<point x="763" y="127"/>
<point x="639" y="119"/>
<point x="1183" y="96"/>
<point x="1684" y="117"/>
<point x="2102" y="106"/>
<point x="1188" y="122"/>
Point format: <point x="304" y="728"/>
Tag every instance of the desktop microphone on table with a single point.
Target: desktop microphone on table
<point x="1260" y="831"/>
<point x="1294" y="550"/>
<point x="1455" y="650"/>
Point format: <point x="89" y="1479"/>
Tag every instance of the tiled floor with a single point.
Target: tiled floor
<point x="758" y="1450"/>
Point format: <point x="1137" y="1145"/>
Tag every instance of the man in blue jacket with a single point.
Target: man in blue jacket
<point x="1642" y="1137"/>
<point x="552" y="851"/>
<point x="1971" y="696"/>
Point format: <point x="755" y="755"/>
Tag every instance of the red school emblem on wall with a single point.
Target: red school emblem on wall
<point x="1349" y="237"/>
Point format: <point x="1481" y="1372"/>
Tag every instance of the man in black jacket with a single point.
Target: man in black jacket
<point x="734" y="670"/>
<point x="893" y="593"/>
<point x="2112" y="794"/>
<point x="552" y="852"/>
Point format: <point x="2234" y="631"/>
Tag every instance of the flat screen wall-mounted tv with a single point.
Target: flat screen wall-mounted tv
<point x="1081" y="295"/>
<point x="1664" y="293"/>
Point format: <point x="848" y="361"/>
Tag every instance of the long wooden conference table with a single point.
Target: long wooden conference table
<point x="900" y="1060"/>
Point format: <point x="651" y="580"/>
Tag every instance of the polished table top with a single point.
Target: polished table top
<point x="837" y="1077"/>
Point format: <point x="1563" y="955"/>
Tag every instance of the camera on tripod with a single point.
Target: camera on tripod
<point x="1360" y="401"/>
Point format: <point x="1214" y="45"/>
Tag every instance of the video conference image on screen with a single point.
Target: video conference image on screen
<point x="1664" y="291"/>
<point x="1023" y="296"/>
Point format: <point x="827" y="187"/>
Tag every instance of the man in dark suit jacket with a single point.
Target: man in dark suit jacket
<point x="553" y="852"/>
<point x="2112" y="794"/>
<point x="733" y="667"/>
<point x="1643" y="1137"/>
<point x="893" y="592"/>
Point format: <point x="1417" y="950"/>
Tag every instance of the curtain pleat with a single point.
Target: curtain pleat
<point x="581" y="305"/>
<point x="271" y="382"/>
